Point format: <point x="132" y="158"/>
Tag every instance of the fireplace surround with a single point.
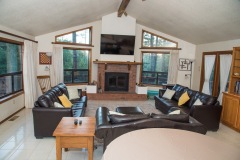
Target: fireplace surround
<point x="115" y="81"/>
<point x="119" y="67"/>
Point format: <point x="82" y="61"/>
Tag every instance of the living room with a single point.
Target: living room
<point x="184" y="26"/>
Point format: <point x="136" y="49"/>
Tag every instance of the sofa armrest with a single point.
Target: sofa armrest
<point x="209" y="115"/>
<point x="45" y="120"/>
<point x="102" y="122"/>
<point x="161" y="92"/>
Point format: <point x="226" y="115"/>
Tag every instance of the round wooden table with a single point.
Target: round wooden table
<point x="168" y="144"/>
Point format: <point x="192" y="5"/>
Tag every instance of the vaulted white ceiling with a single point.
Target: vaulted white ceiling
<point x="195" y="21"/>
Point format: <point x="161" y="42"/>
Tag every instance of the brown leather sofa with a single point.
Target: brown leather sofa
<point x="109" y="127"/>
<point x="46" y="117"/>
<point x="208" y="113"/>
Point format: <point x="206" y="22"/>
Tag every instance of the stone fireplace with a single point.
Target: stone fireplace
<point x="117" y="69"/>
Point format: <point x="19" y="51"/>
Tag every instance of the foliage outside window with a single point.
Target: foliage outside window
<point x="82" y="37"/>
<point x="155" y="68"/>
<point x="155" y="41"/>
<point x="10" y="68"/>
<point x="76" y="65"/>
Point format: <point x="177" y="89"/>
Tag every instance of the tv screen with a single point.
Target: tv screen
<point x="117" y="44"/>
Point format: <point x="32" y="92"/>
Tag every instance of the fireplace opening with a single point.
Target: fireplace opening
<point x="116" y="81"/>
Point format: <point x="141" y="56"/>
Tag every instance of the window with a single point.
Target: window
<point x="155" y="68"/>
<point x="214" y="81"/>
<point x="151" y="40"/>
<point x="83" y="37"/>
<point x="76" y="64"/>
<point x="10" y="67"/>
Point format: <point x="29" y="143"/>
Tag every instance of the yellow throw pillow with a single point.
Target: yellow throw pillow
<point x="65" y="102"/>
<point x="183" y="99"/>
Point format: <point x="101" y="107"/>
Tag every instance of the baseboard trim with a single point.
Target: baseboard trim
<point x="11" y="115"/>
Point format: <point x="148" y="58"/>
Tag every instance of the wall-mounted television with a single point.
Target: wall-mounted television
<point x="117" y="44"/>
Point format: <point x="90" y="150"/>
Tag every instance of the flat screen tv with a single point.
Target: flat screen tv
<point x="117" y="44"/>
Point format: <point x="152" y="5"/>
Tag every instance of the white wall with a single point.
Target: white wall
<point x="9" y="107"/>
<point x="112" y="24"/>
<point x="217" y="46"/>
<point x="125" y="25"/>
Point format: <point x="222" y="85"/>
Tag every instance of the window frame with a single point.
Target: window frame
<point x="144" y="47"/>
<point x="89" y="67"/>
<point x="216" y="79"/>
<point x="79" y="44"/>
<point x="13" y="73"/>
<point x="141" y="68"/>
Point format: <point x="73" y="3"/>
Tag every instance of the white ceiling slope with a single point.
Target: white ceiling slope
<point x="195" y="21"/>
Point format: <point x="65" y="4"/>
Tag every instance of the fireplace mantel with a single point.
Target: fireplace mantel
<point x="118" y="63"/>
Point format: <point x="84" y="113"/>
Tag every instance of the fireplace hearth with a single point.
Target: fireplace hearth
<point x="115" y="81"/>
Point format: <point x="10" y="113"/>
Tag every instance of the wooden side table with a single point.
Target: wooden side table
<point x="69" y="135"/>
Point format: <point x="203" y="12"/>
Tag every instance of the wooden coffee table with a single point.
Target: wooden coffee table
<point x="69" y="135"/>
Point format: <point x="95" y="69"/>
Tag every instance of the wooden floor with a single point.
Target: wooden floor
<point x="116" y="96"/>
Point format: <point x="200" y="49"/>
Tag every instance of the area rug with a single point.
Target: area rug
<point x="147" y="106"/>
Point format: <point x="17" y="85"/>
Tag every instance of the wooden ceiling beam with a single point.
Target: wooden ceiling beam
<point x="123" y="7"/>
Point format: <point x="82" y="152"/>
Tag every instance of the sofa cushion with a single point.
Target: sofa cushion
<point x="78" y="109"/>
<point x="63" y="89"/>
<point x="183" y="99"/>
<point x="52" y="96"/>
<point x="169" y="103"/>
<point x="179" y="91"/>
<point x="58" y="105"/>
<point x="169" y="94"/>
<point x="191" y="94"/>
<point x="45" y="101"/>
<point x="126" y="118"/>
<point x="197" y="102"/>
<point x="175" y="112"/>
<point x="206" y="99"/>
<point x="173" y="117"/>
<point x="73" y="93"/>
<point x="65" y="102"/>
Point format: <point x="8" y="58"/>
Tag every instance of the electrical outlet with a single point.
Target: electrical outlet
<point x="13" y="101"/>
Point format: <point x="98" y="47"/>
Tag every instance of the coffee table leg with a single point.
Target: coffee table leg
<point x="58" y="149"/>
<point x="90" y="148"/>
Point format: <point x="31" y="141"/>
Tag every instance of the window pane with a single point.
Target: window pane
<point x="68" y="76"/>
<point x="10" y="68"/>
<point x="149" y="78"/>
<point x="155" y="68"/>
<point x="65" y="38"/>
<point x="80" y="76"/>
<point x="75" y="59"/>
<point x="76" y="65"/>
<point x="81" y="37"/>
<point x="17" y="82"/>
<point x="5" y="85"/>
<point x="10" y="58"/>
<point x="150" y="40"/>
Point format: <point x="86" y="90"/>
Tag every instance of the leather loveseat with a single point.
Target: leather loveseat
<point x="109" y="127"/>
<point x="208" y="113"/>
<point x="46" y="117"/>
